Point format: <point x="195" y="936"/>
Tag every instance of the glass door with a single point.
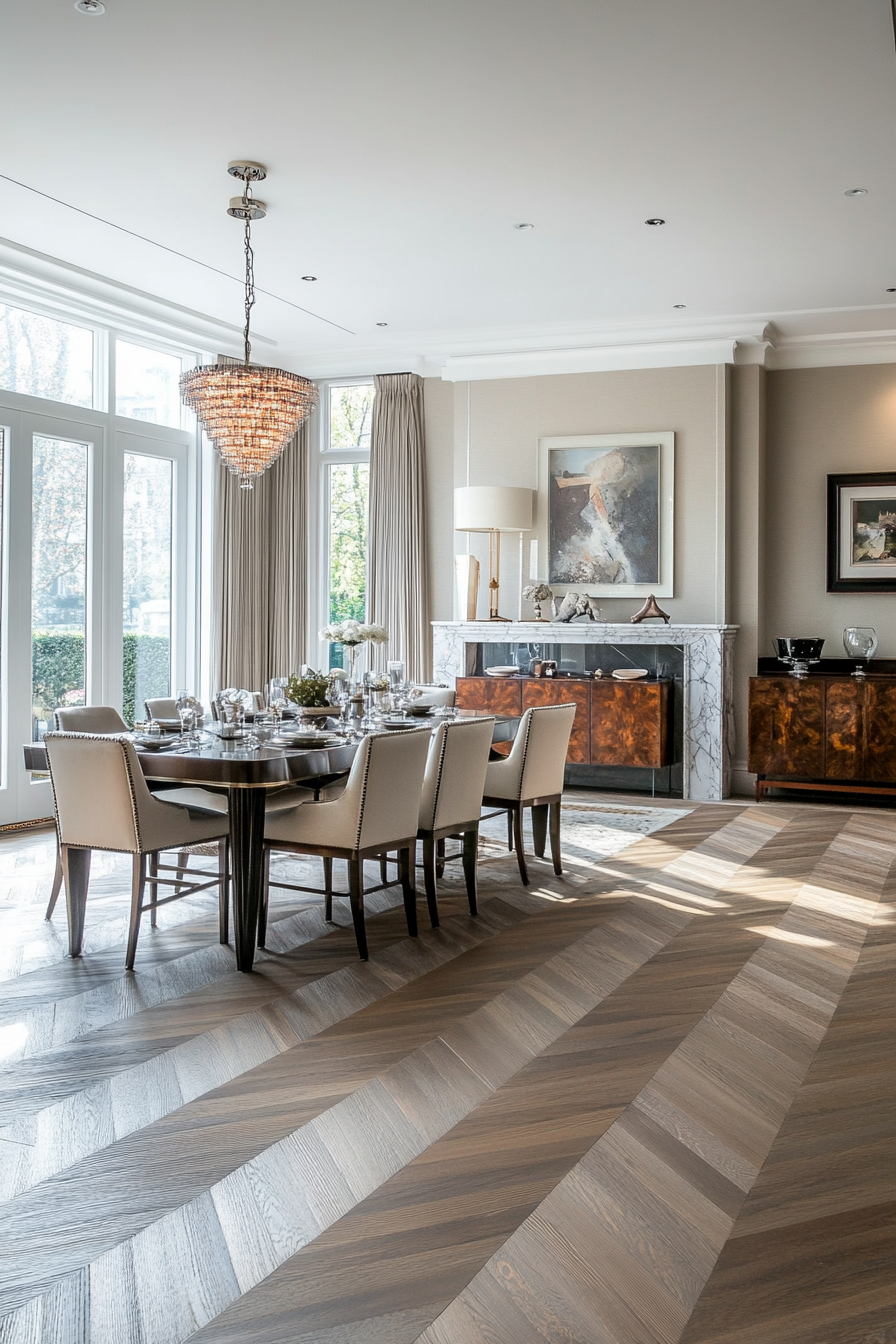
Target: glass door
<point x="52" y="583"/>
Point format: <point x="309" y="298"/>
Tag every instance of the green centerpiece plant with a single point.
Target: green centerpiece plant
<point x="308" y="691"/>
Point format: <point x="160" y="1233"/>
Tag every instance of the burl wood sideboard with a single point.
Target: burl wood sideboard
<point x="836" y="733"/>
<point x="622" y="723"/>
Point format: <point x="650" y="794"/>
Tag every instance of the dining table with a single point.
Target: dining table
<point x="249" y="775"/>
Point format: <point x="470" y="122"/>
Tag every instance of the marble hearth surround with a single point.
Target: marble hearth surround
<point x="708" y="679"/>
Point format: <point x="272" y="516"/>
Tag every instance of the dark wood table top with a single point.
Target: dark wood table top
<point x="230" y="764"/>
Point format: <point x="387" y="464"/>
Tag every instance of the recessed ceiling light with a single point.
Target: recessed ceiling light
<point x="655" y="222"/>
<point x="679" y="305"/>
<point x="856" y="191"/>
<point x="309" y="277"/>
<point x="524" y="226"/>
<point x="90" y="7"/>
<point x="382" y="324"/>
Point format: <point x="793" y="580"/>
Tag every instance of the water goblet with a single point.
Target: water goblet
<point x="187" y="717"/>
<point x="860" y="642"/>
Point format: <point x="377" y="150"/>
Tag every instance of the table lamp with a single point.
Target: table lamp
<point x="493" y="509"/>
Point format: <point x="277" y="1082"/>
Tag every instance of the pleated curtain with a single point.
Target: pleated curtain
<point x="261" y="572"/>
<point x="397" y="581"/>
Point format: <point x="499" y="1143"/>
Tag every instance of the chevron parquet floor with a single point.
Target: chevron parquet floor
<point x="652" y="1101"/>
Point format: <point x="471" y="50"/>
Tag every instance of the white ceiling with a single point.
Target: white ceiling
<point x="405" y="138"/>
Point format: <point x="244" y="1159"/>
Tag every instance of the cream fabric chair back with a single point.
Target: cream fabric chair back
<point x="438" y="696"/>
<point x="101" y="797"/>
<point x="161" y="709"/>
<point x="539" y="751"/>
<point x="455" y="774"/>
<point x="89" y="719"/>
<point x="393" y="783"/>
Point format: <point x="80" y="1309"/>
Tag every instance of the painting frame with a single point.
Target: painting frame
<point x="847" y="570"/>
<point x="547" y="520"/>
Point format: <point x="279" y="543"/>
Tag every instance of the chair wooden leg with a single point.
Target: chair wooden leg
<point x="76" y="871"/>
<point x="224" y="890"/>
<point x="517" y="816"/>
<point x="265" y="896"/>
<point x="429" y="880"/>
<point x="138" y="886"/>
<point x="555" y="837"/>
<point x="406" y="866"/>
<point x="183" y="862"/>
<point x="440" y="858"/>
<point x="356" y="897"/>
<point x="153" y="889"/>
<point x="328" y="888"/>
<point x="470" y="856"/>
<point x="539" y="829"/>
<point x="384" y="868"/>
<point x="57" y="883"/>
<point x="510" y="828"/>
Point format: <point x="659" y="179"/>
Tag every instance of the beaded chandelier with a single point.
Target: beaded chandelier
<point x="249" y="412"/>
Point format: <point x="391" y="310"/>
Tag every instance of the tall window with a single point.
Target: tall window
<point x="147" y="384"/>
<point x="346" y="443"/>
<point x="146" y="590"/>
<point x="44" y="357"/>
<point x="58" y="577"/>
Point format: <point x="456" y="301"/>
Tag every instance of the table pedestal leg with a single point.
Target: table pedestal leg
<point x="246" y="809"/>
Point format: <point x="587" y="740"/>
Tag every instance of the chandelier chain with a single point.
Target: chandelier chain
<point x="250" y="266"/>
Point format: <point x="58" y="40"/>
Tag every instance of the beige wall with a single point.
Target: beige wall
<point x="753" y="451"/>
<point x="508" y="416"/>
<point x="821" y="421"/>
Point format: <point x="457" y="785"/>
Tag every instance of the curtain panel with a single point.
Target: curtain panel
<point x="397" y="581"/>
<point x="261" y="572"/>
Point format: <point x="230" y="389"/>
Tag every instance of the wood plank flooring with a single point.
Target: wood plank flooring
<point x="651" y="1101"/>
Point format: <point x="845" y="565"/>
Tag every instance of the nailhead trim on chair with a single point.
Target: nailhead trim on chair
<point x="449" y="728"/>
<point x="104" y="737"/>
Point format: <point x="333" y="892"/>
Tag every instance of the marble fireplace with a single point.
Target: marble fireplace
<point x="704" y="676"/>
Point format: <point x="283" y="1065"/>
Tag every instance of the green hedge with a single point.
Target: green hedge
<point x="57" y="667"/>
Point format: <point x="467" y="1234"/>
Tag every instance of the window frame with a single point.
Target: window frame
<point x="111" y="436"/>
<point x="322" y="457"/>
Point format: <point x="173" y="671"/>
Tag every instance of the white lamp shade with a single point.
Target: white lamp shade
<point x="490" y="508"/>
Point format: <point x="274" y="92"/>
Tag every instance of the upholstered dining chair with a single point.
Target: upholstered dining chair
<point x="451" y="800"/>
<point x="102" y="802"/>
<point x="532" y="776"/>
<point x="80" y="719"/>
<point x="430" y="694"/>
<point x="163" y="708"/>
<point x="377" y="811"/>
<point x="89" y="719"/>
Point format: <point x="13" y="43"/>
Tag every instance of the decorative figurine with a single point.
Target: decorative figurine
<point x="578" y="604"/>
<point x="538" y="593"/>
<point x="650" y="609"/>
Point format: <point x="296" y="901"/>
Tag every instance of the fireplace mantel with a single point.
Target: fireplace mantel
<point x="707" y="652"/>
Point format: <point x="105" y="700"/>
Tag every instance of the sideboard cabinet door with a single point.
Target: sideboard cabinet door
<point x="787" y="728"/>
<point x="490" y="695"/>
<point x="547" y="691"/>
<point x="880" y="731"/>
<point x="630" y="723"/>
<point x="844" y="725"/>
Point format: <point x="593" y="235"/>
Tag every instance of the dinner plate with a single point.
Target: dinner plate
<point x="156" y="743"/>
<point x="305" y="740"/>
<point x="629" y="673"/>
<point x="502" y="671"/>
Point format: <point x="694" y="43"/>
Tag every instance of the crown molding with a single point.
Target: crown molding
<point x="830" y="349"/>
<point x="33" y="277"/>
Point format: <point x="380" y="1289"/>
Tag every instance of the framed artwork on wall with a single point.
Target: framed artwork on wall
<point x="606" y="513"/>
<point x="862" y="532"/>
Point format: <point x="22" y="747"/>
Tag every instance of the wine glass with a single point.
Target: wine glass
<point x="860" y="642"/>
<point x="187" y="716"/>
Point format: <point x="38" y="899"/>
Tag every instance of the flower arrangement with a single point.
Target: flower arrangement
<point x="352" y="633"/>
<point x="308" y="690"/>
